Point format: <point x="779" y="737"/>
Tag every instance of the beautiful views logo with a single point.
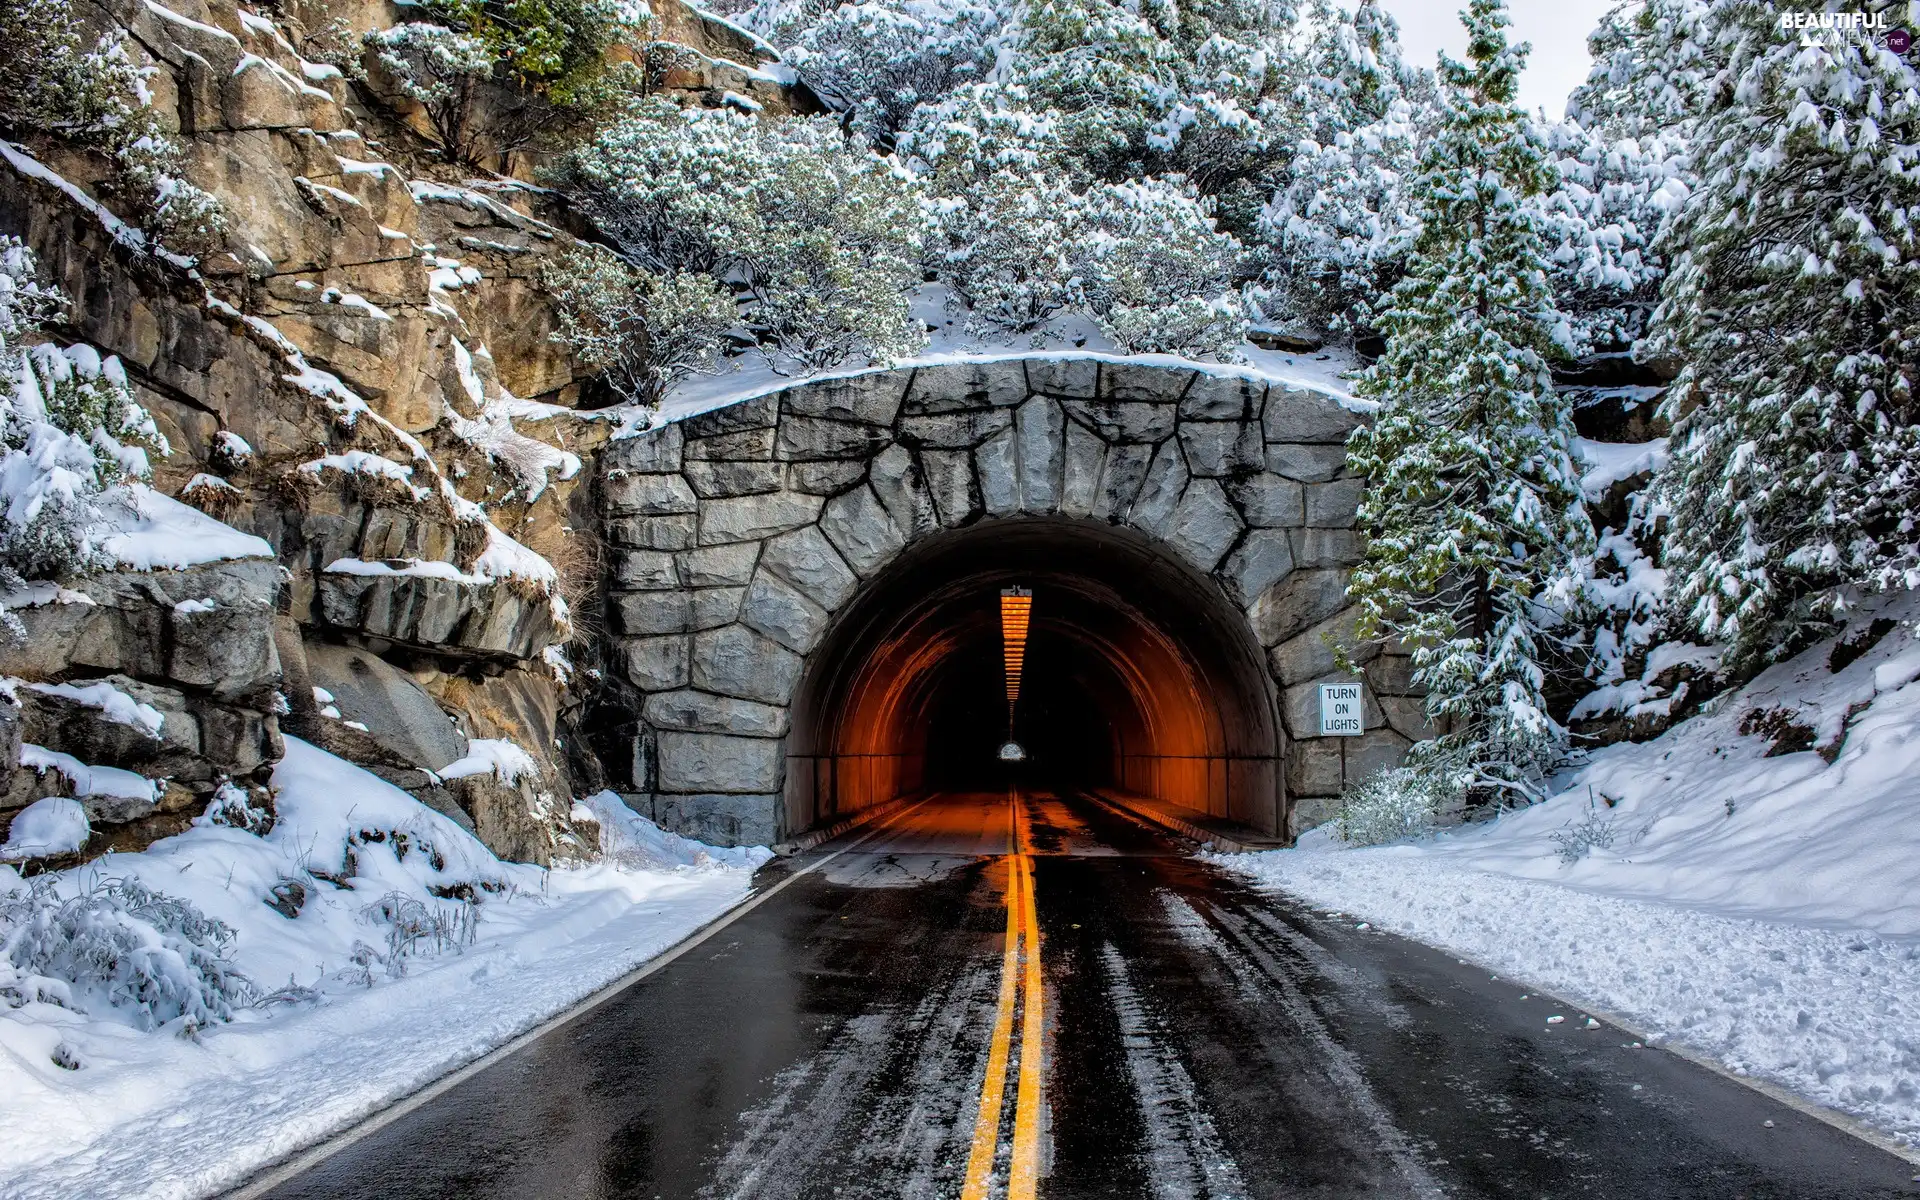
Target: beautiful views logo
<point x="1836" y="28"/>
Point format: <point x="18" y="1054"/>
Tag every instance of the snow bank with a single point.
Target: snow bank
<point x="153" y="531"/>
<point x="93" y="1105"/>
<point x="1760" y="909"/>
<point x="50" y="825"/>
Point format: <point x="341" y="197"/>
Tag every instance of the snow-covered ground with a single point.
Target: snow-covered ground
<point x="1763" y="911"/>
<point x="93" y="1104"/>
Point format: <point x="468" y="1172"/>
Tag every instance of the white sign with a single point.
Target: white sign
<point x="1340" y="710"/>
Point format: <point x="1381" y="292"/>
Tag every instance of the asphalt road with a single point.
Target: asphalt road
<point x="1168" y="1033"/>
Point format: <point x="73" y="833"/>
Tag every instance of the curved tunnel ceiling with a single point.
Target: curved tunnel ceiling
<point x="1139" y="676"/>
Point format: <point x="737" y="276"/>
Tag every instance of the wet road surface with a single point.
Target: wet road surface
<point x="889" y="1026"/>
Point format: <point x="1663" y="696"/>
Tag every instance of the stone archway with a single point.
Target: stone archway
<point x="743" y="537"/>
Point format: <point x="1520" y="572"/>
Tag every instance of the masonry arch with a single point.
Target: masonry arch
<point x="800" y="581"/>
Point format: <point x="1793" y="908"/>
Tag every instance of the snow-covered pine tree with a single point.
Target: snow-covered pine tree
<point x="1792" y="305"/>
<point x="1473" y="516"/>
<point x="1654" y="62"/>
<point x="1338" y="233"/>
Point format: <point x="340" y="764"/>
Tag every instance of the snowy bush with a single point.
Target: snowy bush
<point x="118" y="945"/>
<point x="70" y="430"/>
<point x="821" y="237"/>
<point x="97" y="97"/>
<point x="1593" y="831"/>
<point x="1007" y="249"/>
<point x="1158" y="273"/>
<point x="1404" y="802"/>
<point x="415" y="929"/>
<point x="437" y="68"/>
<point x="643" y="332"/>
<point x="878" y="62"/>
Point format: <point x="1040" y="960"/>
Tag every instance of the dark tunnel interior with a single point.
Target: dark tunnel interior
<point x="1140" y="676"/>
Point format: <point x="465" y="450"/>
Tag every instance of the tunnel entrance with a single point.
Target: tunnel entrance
<point x="1139" y="677"/>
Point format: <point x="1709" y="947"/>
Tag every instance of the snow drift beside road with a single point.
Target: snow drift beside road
<point x="1764" y="911"/>
<point x="160" y="1114"/>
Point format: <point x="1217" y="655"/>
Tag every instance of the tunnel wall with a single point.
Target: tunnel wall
<point x="739" y="537"/>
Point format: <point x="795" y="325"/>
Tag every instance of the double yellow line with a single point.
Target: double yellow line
<point x="1019" y="973"/>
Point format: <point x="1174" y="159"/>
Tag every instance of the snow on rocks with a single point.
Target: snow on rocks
<point x="50" y="825"/>
<point x="92" y="1103"/>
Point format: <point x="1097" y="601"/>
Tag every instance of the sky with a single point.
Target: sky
<point x="1557" y="28"/>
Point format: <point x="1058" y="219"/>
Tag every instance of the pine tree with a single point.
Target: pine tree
<point x="1339" y="232"/>
<point x="1792" y="306"/>
<point x="1474" y="517"/>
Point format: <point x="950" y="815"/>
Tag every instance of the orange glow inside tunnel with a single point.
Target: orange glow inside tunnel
<point x="1130" y="670"/>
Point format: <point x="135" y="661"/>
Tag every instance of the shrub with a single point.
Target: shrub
<point x="120" y="945"/>
<point x="438" y="69"/>
<point x="55" y="85"/>
<point x="1158" y="273"/>
<point x="1403" y="802"/>
<point x="643" y="332"/>
<point x="822" y="237"/>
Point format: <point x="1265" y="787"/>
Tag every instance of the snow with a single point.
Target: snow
<point x="87" y="780"/>
<point x="495" y="756"/>
<point x="1608" y="463"/>
<point x="633" y="841"/>
<point x="949" y="343"/>
<point x="421" y="568"/>
<point x="281" y="1077"/>
<point x="50" y="825"/>
<point x="112" y="703"/>
<point x="152" y="531"/>
<point x="1759" y="910"/>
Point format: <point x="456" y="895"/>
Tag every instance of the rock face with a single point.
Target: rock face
<point x="736" y="536"/>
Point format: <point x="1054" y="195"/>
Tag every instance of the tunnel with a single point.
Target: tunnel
<point x="1140" y="680"/>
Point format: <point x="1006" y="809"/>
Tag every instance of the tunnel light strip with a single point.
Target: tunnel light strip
<point x="1016" y="606"/>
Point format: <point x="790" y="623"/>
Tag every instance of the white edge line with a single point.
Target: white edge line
<point x="303" y="1161"/>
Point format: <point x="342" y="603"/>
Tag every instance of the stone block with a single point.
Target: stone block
<point x="1223" y="398"/>
<point x="1068" y="378"/>
<point x="1219" y="448"/>
<point x="1310" y="654"/>
<point x="951" y="485"/>
<point x="711" y="480"/>
<point x="1334" y="505"/>
<point x="1391" y="675"/>
<point x="808" y="561"/>
<point x="860" y="528"/>
<point x="655" y="451"/>
<point x="1299" y="415"/>
<point x="1269" y="502"/>
<point x="897" y="481"/>
<point x="1125" y="420"/>
<point x="656" y="664"/>
<point x="1261" y="560"/>
<point x="954" y="430"/>
<point x="755" y="412"/>
<point x="1040" y="433"/>
<point x="778" y="609"/>
<point x="689" y="711"/>
<point x="1300" y="706"/>
<point x="645" y="570"/>
<point x="828" y="477"/>
<point x="652" y="533"/>
<point x="736" y="661"/>
<point x="1160" y="491"/>
<point x="651" y="614"/>
<point x="953" y="387"/>
<point x="713" y="607"/>
<point x="1407" y="716"/>
<point x="1310" y="812"/>
<point x="873" y="397"/>
<point x="1373" y="752"/>
<point x="1129" y="381"/>
<point x="1328" y="547"/>
<point x="805" y="439"/>
<point x="1306" y="462"/>
<point x="998" y="474"/>
<point x="396" y="710"/>
<point x="719" y="763"/>
<point x="1121" y="474"/>
<point x="1204" y="525"/>
<point x="1085" y="457"/>
<point x="1313" y="769"/>
<point x="1301" y="600"/>
<point x="751" y="518"/>
<point x="730" y="565"/>
<point x="746" y="445"/>
<point x="721" y="820"/>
